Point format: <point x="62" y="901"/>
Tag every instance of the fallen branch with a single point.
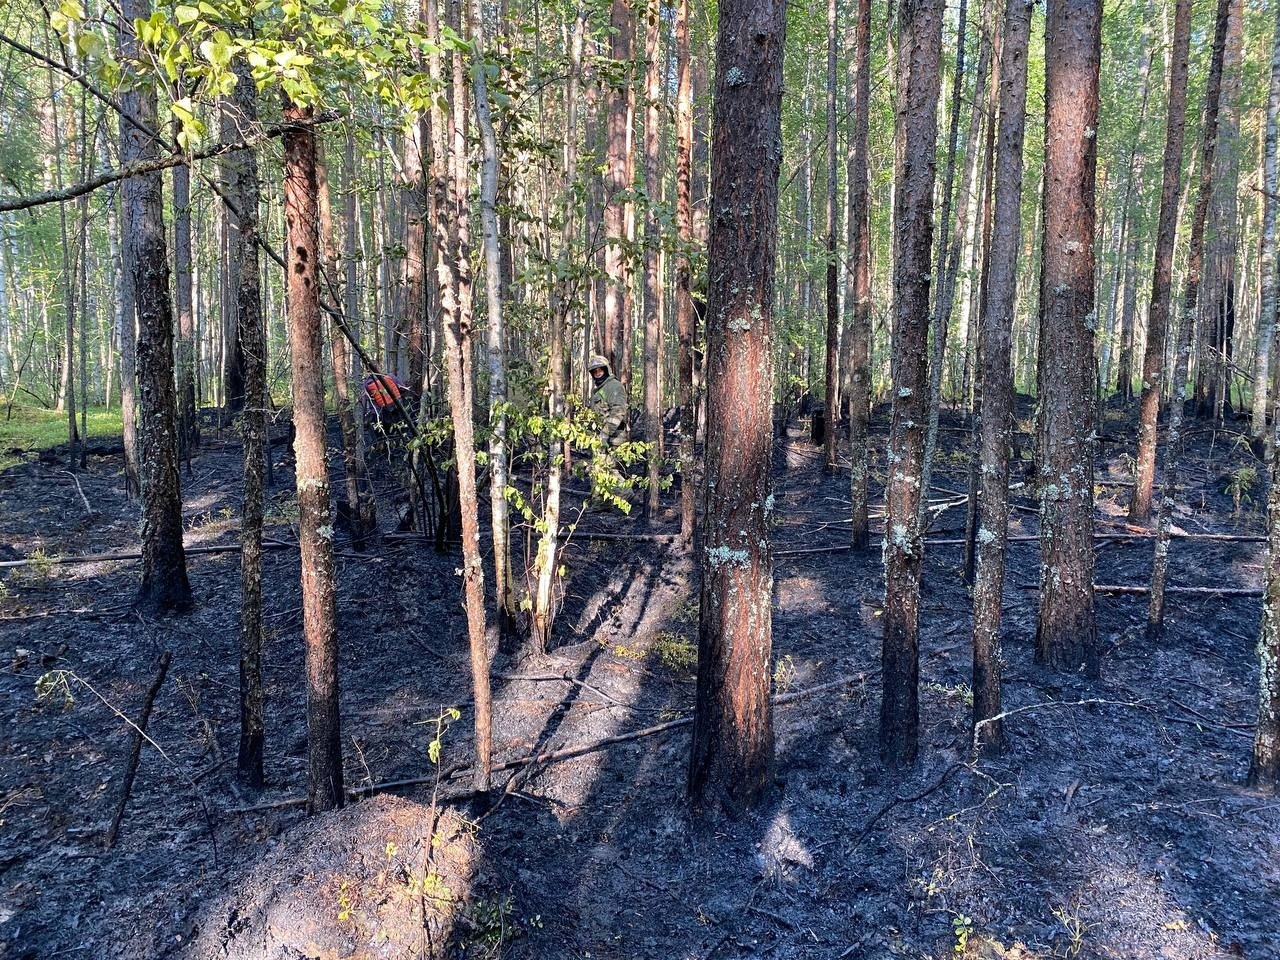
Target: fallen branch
<point x="1035" y="538"/>
<point x="135" y="747"/>
<point x="1194" y="591"/>
<point x="80" y="490"/>
<point x="899" y="800"/>
<point x="592" y="535"/>
<point x="546" y="756"/>
<point x="137" y="555"/>
<point x="1046" y="704"/>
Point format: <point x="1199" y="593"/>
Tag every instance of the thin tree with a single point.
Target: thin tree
<point x="858" y="295"/>
<point x="616" y="185"/>
<point x="188" y="427"/>
<point x="67" y="391"/>
<point x="654" y="69"/>
<point x="1158" y="311"/>
<point x="1217" y="297"/>
<point x="231" y="369"/>
<point x="1066" y="635"/>
<point x="504" y="594"/>
<point x="915" y="135"/>
<point x="1129" y="221"/>
<point x="1186" y="336"/>
<point x="941" y="314"/>
<point x="360" y="500"/>
<point x="1264" y="767"/>
<point x="409" y="338"/>
<point x="254" y="428"/>
<point x="542" y="617"/>
<point x="732" y="729"/>
<point x="1267" y="272"/>
<point x="126" y="323"/>
<point x="996" y="409"/>
<point x="452" y="250"/>
<point x="832" y="272"/>
<point x="164" y="584"/>
<point x="315" y="524"/>
<point x="685" y="320"/>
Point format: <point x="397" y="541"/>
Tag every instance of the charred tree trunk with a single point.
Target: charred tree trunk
<point x="164" y="585"/>
<point x="253" y="337"/>
<point x="1066" y="635"/>
<point x="915" y="135"/>
<point x="858" y="298"/>
<point x="232" y="358"/>
<point x="315" y="523"/>
<point x="996" y="410"/>
<point x="732" y="731"/>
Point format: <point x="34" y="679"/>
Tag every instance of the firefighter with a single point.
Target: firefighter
<point x="608" y="401"/>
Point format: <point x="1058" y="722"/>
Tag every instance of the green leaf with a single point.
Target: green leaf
<point x="185" y="14"/>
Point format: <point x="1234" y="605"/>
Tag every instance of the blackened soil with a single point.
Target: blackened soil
<point x="1116" y="827"/>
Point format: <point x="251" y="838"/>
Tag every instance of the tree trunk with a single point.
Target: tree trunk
<point x="188" y="426"/>
<point x="1128" y="314"/>
<point x="1264" y="768"/>
<point x="1267" y="273"/>
<point x="1066" y="635"/>
<point x="941" y="314"/>
<point x="67" y="391"/>
<point x="858" y="297"/>
<point x="315" y="523"/>
<point x="504" y="595"/>
<point x="996" y="411"/>
<point x="1186" y="337"/>
<point x="164" y="585"/>
<point x="232" y="354"/>
<point x="360" y="499"/>
<point x="126" y="340"/>
<point x="915" y="136"/>
<point x="654" y="70"/>
<point x="685" y="320"/>
<point x="830" y="441"/>
<point x="1218" y="290"/>
<point x="1158" y="311"/>
<point x="732" y="730"/>
<point x="253" y="338"/>
<point x="616" y="186"/>
<point x="452" y="251"/>
<point x="409" y="359"/>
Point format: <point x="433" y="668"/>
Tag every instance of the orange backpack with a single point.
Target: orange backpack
<point x="382" y="391"/>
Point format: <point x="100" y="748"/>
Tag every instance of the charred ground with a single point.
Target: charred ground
<point x="1116" y="828"/>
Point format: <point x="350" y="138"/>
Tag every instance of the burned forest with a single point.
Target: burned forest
<point x="639" y="479"/>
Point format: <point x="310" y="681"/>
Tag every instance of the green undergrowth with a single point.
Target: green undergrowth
<point x="33" y="428"/>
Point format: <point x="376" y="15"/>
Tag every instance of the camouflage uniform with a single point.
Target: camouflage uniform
<point x="609" y="403"/>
